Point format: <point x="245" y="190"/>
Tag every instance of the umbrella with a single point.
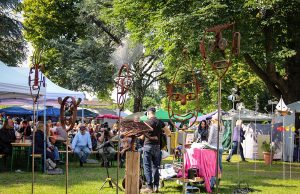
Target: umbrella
<point x="15" y="110"/>
<point x="51" y="111"/>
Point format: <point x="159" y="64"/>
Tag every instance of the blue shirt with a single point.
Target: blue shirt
<point x="82" y="140"/>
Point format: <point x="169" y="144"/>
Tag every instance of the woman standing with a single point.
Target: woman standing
<point x="201" y="133"/>
<point x="213" y="137"/>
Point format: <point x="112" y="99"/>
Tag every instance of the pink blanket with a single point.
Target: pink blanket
<point x="204" y="160"/>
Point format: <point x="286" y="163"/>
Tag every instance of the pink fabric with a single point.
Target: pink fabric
<point x="204" y="160"/>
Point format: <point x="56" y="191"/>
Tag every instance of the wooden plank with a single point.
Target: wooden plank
<point x="132" y="172"/>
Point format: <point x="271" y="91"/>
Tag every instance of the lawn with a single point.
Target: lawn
<point x="87" y="180"/>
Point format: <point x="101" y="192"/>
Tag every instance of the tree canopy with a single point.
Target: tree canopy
<point x="76" y="49"/>
<point x="12" y="43"/>
<point x="270" y="33"/>
<point x="81" y="34"/>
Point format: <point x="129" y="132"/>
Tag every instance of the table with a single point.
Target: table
<point x="204" y="160"/>
<point x="18" y="147"/>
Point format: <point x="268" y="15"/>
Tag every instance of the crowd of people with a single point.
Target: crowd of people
<point x="90" y="137"/>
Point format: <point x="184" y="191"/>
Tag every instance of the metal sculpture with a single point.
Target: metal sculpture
<point x="123" y="82"/>
<point x="181" y="94"/>
<point x="36" y="81"/>
<point x="68" y="112"/>
<point x="133" y="129"/>
<point x="218" y="54"/>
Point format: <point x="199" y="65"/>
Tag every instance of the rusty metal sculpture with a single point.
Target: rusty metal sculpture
<point x="183" y="93"/>
<point x="123" y="82"/>
<point x="68" y="112"/>
<point x="36" y="81"/>
<point x="133" y="129"/>
<point x="219" y="57"/>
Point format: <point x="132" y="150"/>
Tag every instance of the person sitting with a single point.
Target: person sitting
<point x="62" y="134"/>
<point x="82" y="145"/>
<point x="39" y="143"/>
<point x="7" y="136"/>
<point x="25" y="130"/>
<point x="104" y="146"/>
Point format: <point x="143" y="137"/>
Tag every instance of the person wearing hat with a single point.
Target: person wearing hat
<point x="152" y="151"/>
<point x="213" y="136"/>
<point x="237" y="139"/>
<point x="82" y="145"/>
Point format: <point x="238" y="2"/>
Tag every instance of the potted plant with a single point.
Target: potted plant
<point x="268" y="151"/>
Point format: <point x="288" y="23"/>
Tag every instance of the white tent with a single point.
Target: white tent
<point x="14" y="85"/>
<point x="53" y="91"/>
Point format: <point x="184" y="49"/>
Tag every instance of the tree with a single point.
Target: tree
<point x="145" y="70"/>
<point x="270" y="39"/>
<point x="77" y="45"/>
<point x="12" y="44"/>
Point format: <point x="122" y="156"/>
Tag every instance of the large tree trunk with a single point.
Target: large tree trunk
<point x="287" y="85"/>
<point x="137" y="104"/>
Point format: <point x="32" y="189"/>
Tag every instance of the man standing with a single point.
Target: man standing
<point x="238" y="138"/>
<point x="82" y="145"/>
<point x="152" y="151"/>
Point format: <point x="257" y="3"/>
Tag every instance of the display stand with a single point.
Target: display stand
<point x="132" y="183"/>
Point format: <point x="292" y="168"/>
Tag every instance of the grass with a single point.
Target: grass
<point x="87" y="180"/>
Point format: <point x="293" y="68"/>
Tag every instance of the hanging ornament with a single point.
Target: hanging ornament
<point x="282" y="108"/>
<point x="183" y="94"/>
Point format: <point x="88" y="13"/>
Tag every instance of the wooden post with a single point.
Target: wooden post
<point x="132" y="182"/>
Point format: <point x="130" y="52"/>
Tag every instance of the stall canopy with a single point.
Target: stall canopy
<point x="14" y="85"/>
<point x="15" y="110"/>
<point x="162" y="115"/>
<point x="51" y="112"/>
<point x="53" y="91"/>
<point x="87" y="113"/>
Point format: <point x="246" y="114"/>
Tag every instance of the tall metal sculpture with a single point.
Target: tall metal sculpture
<point x="218" y="54"/>
<point x="36" y="81"/>
<point x="68" y="112"/>
<point x="181" y="94"/>
<point x="283" y="110"/>
<point x="123" y="83"/>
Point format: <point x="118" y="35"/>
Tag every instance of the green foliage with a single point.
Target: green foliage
<point x="51" y="19"/>
<point x="267" y="147"/>
<point x="174" y="25"/>
<point x="83" y="65"/>
<point x="76" y="51"/>
<point x="12" y="44"/>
